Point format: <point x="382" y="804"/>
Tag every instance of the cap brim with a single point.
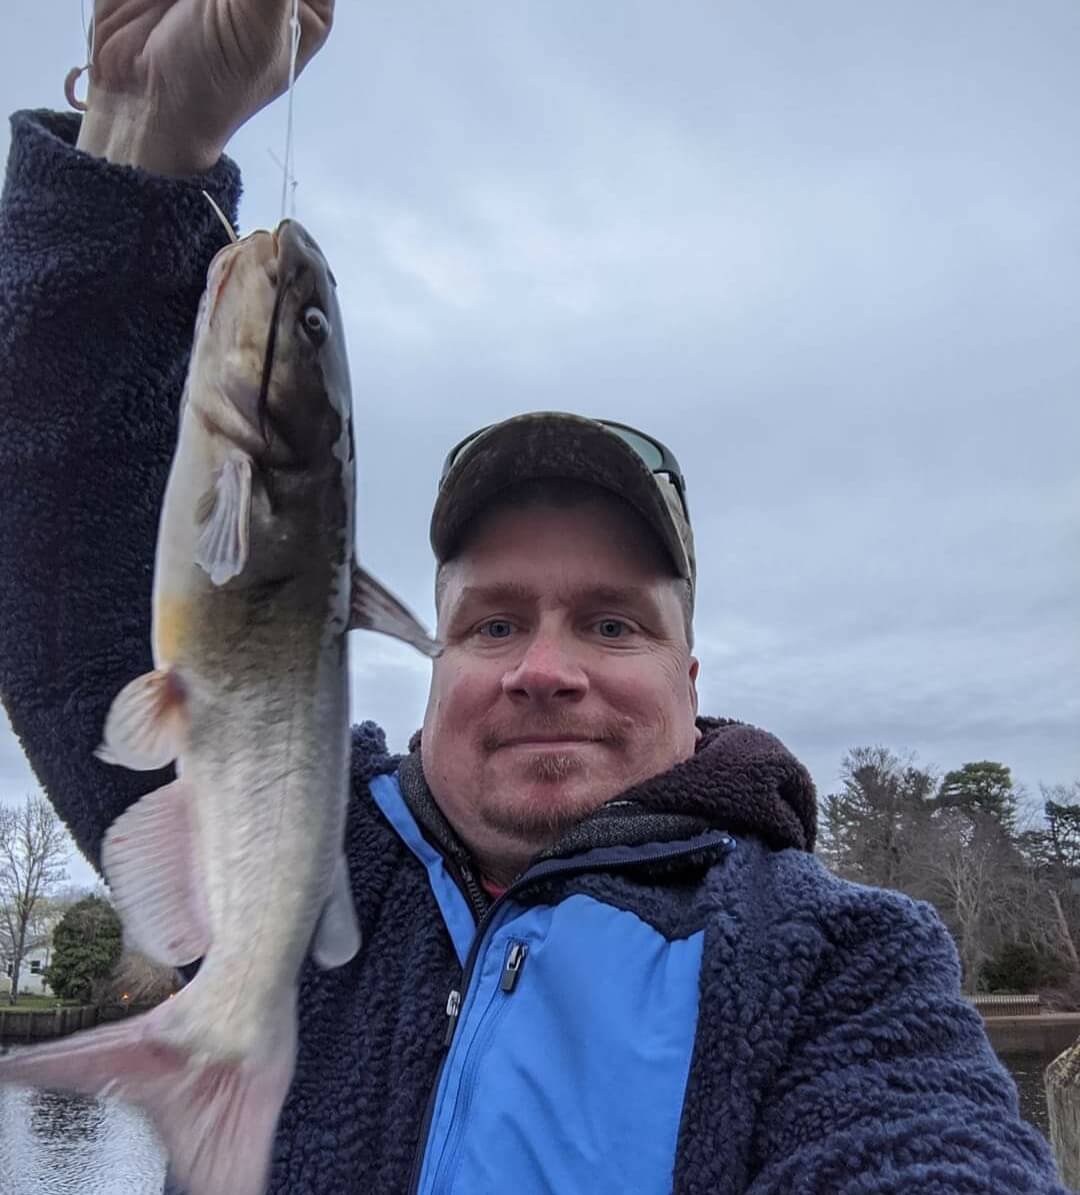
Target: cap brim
<point x="550" y="445"/>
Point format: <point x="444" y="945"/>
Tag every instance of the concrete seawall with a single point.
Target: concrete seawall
<point x="1043" y="1033"/>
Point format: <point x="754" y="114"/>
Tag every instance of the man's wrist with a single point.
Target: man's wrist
<point x="133" y="134"/>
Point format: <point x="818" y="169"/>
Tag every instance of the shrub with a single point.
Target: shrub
<point x="1021" y="967"/>
<point x="86" y="946"/>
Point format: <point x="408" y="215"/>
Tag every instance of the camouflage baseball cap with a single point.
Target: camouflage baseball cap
<point x="557" y="445"/>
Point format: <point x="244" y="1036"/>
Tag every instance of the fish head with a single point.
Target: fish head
<point x="269" y="354"/>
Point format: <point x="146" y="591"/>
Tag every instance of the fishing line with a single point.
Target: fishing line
<point x="288" y="177"/>
<point x="87" y="34"/>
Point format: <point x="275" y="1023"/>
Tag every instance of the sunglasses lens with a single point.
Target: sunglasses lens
<point x="456" y="452"/>
<point x="651" y="455"/>
<point x="646" y="449"/>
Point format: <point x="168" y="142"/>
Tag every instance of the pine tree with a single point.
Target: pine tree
<point x="985" y="787"/>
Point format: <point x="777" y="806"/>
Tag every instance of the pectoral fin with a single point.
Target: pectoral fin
<point x="146" y="724"/>
<point x="337" y="937"/>
<point x="149" y="860"/>
<point x="225" y="515"/>
<point x="374" y="608"/>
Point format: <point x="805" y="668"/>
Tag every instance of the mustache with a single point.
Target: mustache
<point x="610" y="731"/>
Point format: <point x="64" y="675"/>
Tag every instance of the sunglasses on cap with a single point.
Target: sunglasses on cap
<point x="656" y="457"/>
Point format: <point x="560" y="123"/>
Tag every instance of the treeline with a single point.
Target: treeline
<point x="79" y="932"/>
<point x="1004" y="875"/>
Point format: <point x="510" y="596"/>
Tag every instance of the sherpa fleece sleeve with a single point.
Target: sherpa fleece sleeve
<point x="891" y="1084"/>
<point x="101" y="269"/>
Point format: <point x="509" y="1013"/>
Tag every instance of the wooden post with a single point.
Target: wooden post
<point x="1062" y="1081"/>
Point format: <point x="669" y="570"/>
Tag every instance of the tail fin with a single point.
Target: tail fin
<point x="216" y="1117"/>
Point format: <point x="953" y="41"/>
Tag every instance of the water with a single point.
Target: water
<point x="1027" y="1072"/>
<point x="69" y="1145"/>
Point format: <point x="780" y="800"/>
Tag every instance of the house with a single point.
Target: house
<point x="30" y="977"/>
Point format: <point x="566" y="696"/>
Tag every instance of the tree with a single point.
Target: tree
<point x="138" y="980"/>
<point x="984" y="787"/>
<point x="961" y="867"/>
<point x="33" y="854"/>
<point x="1053" y="853"/>
<point x="871" y="826"/>
<point x="87" y="945"/>
<point x="1021" y="967"/>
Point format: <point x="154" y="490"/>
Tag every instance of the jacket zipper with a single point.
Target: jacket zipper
<point x="511" y="973"/>
<point x="457" y="996"/>
<point x="487" y="1010"/>
<point x="478" y="899"/>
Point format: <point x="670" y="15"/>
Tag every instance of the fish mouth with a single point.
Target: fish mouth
<point x="289" y="245"/>
<point x="262" y="409"/>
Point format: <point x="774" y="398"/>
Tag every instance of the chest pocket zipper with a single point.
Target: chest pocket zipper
<point x="515" y="961"/>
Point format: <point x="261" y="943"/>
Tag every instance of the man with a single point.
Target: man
<point x="598" y="955"/>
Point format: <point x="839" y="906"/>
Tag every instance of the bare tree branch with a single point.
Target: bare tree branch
<point x="33" y="858"/>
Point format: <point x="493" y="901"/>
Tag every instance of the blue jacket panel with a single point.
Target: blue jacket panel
<point x="573" y="1079"/>
<point x="573" y="1027"/>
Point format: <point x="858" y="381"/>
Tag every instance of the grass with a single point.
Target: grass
<point x="30" y="1002"/>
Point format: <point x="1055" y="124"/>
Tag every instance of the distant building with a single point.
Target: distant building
<point x="30" y="977"/>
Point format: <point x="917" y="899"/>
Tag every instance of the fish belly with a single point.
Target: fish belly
<point x="267" y="769"/>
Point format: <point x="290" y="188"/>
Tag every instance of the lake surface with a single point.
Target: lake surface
<point x="69" y="1145"/>
<point x="1027" y="1071"/>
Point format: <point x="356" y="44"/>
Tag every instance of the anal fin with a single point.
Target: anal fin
<point x="149" y="859"/>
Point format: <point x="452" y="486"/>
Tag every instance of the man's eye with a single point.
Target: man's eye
<point x="497" y="628"/>
<point x="612" y="628"/>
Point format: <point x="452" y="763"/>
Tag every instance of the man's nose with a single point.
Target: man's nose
<point x="546" y="672"/>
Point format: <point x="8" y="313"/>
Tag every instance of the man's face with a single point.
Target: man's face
<point x="565" y="680"/>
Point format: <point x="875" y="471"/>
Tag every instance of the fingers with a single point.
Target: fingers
<point x="264" y="24"/>
<point x="316" y="21"/>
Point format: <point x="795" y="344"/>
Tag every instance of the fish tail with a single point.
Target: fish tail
<point x="216" y="1116"/>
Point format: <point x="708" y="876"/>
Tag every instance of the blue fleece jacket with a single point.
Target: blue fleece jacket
<point x="678" y="998"/>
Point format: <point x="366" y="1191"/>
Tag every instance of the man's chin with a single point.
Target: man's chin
<point x="543" y="795"/>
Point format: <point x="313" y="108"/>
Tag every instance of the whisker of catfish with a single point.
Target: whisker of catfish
<point x="222" y="217"/>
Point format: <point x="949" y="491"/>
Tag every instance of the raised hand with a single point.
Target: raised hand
<point x="172" y="80"/>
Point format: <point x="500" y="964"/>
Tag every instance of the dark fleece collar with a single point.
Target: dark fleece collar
<point x="739" y="779"/>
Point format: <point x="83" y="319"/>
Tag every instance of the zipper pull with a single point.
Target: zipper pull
<point x="515" y="960"/>
<point x="453" y="1007"/>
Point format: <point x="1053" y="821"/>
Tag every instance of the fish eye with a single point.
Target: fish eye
<point x="315" y="324"/>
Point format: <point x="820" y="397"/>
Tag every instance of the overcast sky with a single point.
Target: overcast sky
<point x="828" y="252"/>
